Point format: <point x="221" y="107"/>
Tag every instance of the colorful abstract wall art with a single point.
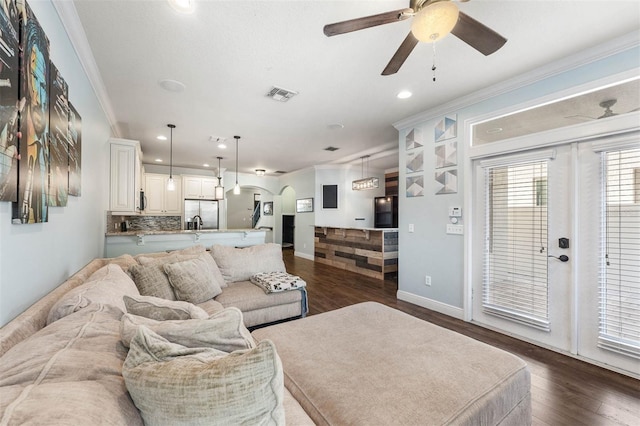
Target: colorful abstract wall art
<point x="34" y="123"/>
<point x="9" y="99"/>
<point x="58" y="140"/>
<point x="75" y="151"/>
<point x="446" y="128"/>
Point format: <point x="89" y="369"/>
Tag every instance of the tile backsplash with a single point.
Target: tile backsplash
<point x="144" y="223"/>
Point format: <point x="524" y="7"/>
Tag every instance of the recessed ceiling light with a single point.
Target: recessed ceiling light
<point x="158" y="160"/>
<point x="172" y="85"/>
<point x="404" y="94"/>
<point x="183" y="6"/>
<point x="205" y="165"/>
<point x="162" y="138"/>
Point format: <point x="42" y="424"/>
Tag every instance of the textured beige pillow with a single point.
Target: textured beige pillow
<point x="107" y="285"/>
<point x="189" y="251"/>
<point x="240" y="264"/>
<point x="124" y="261"/>
<point x="172" y="384"/>
<point x="151" y="280"/>
<point x="192" y="280"/>
<point x="224" y="331"/>
<point x="163" y="310"/>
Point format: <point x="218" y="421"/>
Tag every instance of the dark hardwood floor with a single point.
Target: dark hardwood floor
<point x="565" y="391"/>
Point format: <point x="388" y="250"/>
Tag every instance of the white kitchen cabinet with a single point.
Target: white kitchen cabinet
<point x="125" y="174"/>
<point x="159" y="200"/>
<point x="199" y="187"/>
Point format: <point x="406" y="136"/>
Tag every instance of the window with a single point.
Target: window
<point x="620" y="253"/>
<point x="515" y="261"/>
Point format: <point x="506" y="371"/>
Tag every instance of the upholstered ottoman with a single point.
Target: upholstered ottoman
<point x="370" y="364"/>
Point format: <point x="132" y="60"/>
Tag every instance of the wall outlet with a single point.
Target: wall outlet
<point x="411" y="228"/>
<point x="427" y="280"/>
<point x="454" y="229"/>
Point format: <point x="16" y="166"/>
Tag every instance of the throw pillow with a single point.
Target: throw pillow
<point x="224" y="331"/>
<point x="161" y="309"/>
<point x="192" y="280"/>
<point x="107" y="285"/>
<point x="172" y="384"/>
<point x="151" y="280"/>
<point x="240" y="264"/>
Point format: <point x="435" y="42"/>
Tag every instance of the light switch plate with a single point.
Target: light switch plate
<point x="454" y="229"/>
<point x="411" y="228"/>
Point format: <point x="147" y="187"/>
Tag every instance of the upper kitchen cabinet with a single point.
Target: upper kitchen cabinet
<point x="199" y="187"/>
<point x="159" y="201"/>
<point x="125" y="176"/>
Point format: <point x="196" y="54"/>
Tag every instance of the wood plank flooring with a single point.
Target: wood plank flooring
<point x="565" y="391"/>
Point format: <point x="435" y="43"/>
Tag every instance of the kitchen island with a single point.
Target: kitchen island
<point x="137" y="242"/>
<point x="368" y="251"/>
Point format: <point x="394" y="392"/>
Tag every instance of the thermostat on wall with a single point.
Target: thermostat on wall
<point x="455" y="212"/>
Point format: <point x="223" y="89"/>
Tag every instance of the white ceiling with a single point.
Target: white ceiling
<point x="230" y="53"/>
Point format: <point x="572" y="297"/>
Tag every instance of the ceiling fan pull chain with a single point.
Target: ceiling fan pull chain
<point x="433" y="68"/>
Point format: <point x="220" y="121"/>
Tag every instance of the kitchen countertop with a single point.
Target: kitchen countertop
<point x="357" y="229"/>
<point x="201" y="231"/>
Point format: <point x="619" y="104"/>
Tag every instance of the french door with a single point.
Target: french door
<point x="556" y="246"/>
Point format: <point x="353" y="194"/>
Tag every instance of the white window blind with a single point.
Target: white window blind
<point x="620" y="251"/>
<point x="515" y="261"/>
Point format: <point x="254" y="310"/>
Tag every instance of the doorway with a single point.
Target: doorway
<point x="556" y="235"/>
<point x="288" y="230"/>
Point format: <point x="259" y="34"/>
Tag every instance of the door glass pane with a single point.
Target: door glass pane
<point x="620" y="267"/>
<point x="515" y="263"/>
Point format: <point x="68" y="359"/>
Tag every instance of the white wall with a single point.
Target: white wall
<point x="303" y="182"/>
<point x="429" y="250"/>
<point x="352" y="205"/>
<point x="36" y="258"/>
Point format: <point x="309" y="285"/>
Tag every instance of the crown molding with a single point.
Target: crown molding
<point x="71" y="22"/>
<point x="610" y="48"/>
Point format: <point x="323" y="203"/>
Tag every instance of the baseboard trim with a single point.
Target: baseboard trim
<point x="433" y="305"/>
<point x="303" y="255"/>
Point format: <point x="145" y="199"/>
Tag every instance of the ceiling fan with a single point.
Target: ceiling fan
<point x="608" y="112"/>
<point x="432" y="20"/>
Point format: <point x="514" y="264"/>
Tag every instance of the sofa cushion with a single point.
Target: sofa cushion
<point x="161" y="309"/>
<point x="192" y="280"/>
<point x="124" y="261"/>
<point x="247" y="296"/>
<point x="69" y="372"/>
<point x="172" y="384"/>
<point x="107" y="285"/>
<point x="224" y="331"/>
<point x="189" y="251"/>
<point x="240" y="264"/>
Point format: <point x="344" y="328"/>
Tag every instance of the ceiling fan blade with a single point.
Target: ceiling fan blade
<point x="477" y="35"/>
<point x="367" y="22"/>
<point x="401" y="55"/>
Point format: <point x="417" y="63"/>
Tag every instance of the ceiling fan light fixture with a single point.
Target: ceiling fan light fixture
<point x="435" y="21"/>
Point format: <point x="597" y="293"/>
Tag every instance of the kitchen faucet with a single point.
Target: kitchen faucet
<point x="197" y="224"/>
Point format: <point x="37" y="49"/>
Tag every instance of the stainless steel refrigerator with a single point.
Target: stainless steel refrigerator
<point x="206" y="209"/>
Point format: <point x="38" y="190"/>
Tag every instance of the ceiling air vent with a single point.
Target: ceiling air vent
<point x="331" y="148"/>
<point x="280" y="94"/>
<point x="280" y="172"/>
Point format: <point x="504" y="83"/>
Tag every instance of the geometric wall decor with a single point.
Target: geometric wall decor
<point x="447" y="181"/>
<point x="446" y="128"/>
<point x="9" y="101"/>
<point x="33" y="179"/>
<point x="446" y="154"/>
<point x="58" y="140"/>
<point x="413" y="139"/>
<point x="415" y="162"/>
<point x="415" y="186"/>
<point x="75" y="151"/>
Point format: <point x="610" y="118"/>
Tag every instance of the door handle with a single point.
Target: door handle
<point x="561" y="258"/>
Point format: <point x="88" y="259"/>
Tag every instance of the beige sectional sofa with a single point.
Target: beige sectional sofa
<point x="115" y="357"/>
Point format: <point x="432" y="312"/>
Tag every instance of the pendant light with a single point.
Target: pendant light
<point x="171" y="185"/>
<point x="236" y="189"/>
<point x="366" y="182"/>
<point x="219" y="190"/>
